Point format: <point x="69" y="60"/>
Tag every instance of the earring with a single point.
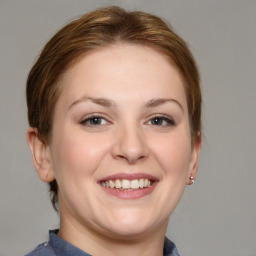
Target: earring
<point x="191" y="178"/>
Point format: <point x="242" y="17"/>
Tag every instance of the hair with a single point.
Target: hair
<point x="101" y="28"/>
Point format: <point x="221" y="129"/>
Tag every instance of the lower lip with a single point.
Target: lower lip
<point x="130" y="194"/>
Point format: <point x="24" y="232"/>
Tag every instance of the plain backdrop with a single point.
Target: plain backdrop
<point x="217" y="215"/>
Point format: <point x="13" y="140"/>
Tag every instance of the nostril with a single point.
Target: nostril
<point x="130" y="146"/>
<point x="141" y="157"/>
<point x="131" y="159"/>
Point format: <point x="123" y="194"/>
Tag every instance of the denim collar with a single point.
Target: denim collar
<point x="64" y="248"/>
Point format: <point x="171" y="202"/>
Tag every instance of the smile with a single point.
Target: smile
<point x="124" y="184"/>
<point x="129" y="186"/>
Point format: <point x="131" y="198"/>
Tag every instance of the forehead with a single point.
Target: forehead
<point x="119" y="69"/>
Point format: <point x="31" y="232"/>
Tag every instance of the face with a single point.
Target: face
<point x="121" y="147"/>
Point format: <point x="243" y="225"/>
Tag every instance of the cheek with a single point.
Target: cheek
<point x="78" y="154"/>
<point x="76" y="157"/>
<point x="173" y="153"/>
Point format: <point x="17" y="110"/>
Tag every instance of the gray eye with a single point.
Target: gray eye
<point x="94" y="121"/>
<point x="161" y="121"/>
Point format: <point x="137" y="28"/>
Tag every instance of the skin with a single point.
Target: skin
<point x="137" y="84"/>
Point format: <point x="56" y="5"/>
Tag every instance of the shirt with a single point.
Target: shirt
<point x="57" y="246"/>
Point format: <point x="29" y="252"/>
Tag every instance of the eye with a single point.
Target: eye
<point x="161" y="121"/>
<point x="94" y="121"/>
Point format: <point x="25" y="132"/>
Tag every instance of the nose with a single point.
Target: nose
<point x="130" y="145"/>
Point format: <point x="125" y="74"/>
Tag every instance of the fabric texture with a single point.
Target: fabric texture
<point x="56" y="246"/>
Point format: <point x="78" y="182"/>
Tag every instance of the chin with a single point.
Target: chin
<point x="129" y="232"/>
<point x="132" y="226"/>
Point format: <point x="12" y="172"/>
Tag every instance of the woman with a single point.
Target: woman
<point x="114" y="110"/>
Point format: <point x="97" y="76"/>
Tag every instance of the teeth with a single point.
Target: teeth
<point x="127" y="184"/>
<point x="135" y="184"/>
<point x="118" y="184"/>
<point x="111" y="184"/>
<point x="141" y="183"/>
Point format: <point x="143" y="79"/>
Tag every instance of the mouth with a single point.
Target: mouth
<point x="128" y="186"/>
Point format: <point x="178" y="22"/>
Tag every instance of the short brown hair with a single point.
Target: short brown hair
<point x="97" y="29"/>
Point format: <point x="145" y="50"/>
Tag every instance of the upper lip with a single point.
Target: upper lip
<point x="129" y="176"/>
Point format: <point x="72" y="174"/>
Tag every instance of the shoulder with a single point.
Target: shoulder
<point x="42" y="250"/>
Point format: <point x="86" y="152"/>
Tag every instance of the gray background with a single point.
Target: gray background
<point x="217" y="215"/>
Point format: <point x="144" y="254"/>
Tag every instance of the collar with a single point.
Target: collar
<point x="64" y="248"/>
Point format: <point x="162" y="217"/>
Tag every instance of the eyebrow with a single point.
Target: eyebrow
<point x="109" y="103"/>
<point x="100" y="101"/>
<point x="156" y="102"/>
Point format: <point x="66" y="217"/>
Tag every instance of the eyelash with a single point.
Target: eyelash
<point x="96" y="120"/>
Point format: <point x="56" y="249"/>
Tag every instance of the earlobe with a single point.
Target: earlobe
<point x="194" y="161"/>
<point x="41" y="155"/>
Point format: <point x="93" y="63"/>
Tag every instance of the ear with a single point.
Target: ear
<point x="41" y="155"/>
<point x="193" y="167"/>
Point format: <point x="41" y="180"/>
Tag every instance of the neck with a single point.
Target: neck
<point x="98" y="243"/>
